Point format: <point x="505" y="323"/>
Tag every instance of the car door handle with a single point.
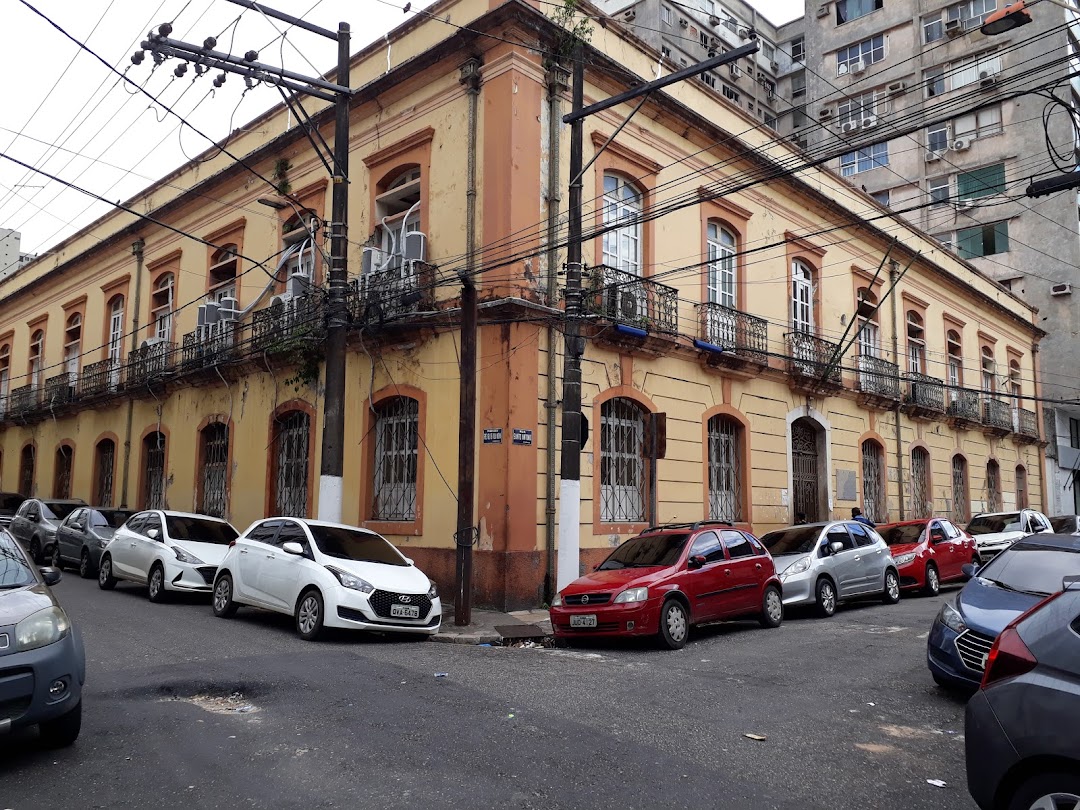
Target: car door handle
<point x="857" y="557"/>
<point x="243" y="551"/>
<point x="757" y="566"/>
<point x="271" y="557"/>
<point x="133" y="545"/>
<point x="727" y="572"/>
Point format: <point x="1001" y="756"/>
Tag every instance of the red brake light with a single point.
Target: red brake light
<point x="1008" y="658"/>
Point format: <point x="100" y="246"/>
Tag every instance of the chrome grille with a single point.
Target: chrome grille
<point x="587" y="599"/>
<point x="973" y="648"/>
<point x="381" y="601"/>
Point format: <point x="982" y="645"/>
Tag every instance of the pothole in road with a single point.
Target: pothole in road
<point x="235" y="703"/>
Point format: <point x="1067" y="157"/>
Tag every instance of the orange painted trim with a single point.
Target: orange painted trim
<point x="232" y="234"/>
<point x="628" y="392"/>
<point x="394" y="150"/>
<point x="311" y="197"/>
<point x="110" y="288"/>
<point x="74" y="305"/>
<point x="271" y="444"/>
<point x="746" y="486"/>
<point x="1022" y="493"/>
<point x="868" y="277"/>
<point x="986" y="337"/>
<point x="728" y="207"/>
<point x="793" y="256"/>
<point x="169" y="265"/>
<point x="198" y="488"/>
<point x="949" y="318"/>
<point x="626" y="154"/>
<point x="97" y="497"/>
<point x="367" y="484"/>
<point x="143" y="459"/>
<point x="386" y="164"/>
<point x="914" y="302"/>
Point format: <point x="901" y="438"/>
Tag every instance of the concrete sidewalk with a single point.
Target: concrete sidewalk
<point x="482" y="629"/>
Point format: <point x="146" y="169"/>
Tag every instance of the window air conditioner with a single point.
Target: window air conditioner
<point x="823" y="11"/>
<point x="932" y="156"/>
<point x="849" y="127"/>
<point x="963" y="205"/>
<point x="630" y="15"/>
<point x="869" y="122"/>
<point x="209" y="313"/>
<point x="684" y="23"/>
<point x="298" y="284"/>
<point x="736" y="72"/>
<point x="948" y="244"/>
<point x="961" y="144"/>
<point x="858" y="68"/>
<point x="825" y="113"/>
<point x="774" y="66"/>
<point x="229" y="308"/>
<point x="897" y="87"/>
<point x="715" y="43"/>
<point x="1061" y="289"/>
<point x="954" y="28"/>
<point x="714" y="21"/>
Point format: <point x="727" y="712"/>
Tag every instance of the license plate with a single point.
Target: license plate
<point x="405" y="611"/>
<point x="583" y="621"/>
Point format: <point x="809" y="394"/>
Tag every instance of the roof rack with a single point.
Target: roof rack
<point x="691" y="526"/>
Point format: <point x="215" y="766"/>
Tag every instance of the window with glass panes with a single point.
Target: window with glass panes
<point x="862" y="160"/>
<point x="847" y="10"/>
<point x="622" y="208"/>
<point x="937" y="137"/>
<point x="798" y="49"/>
<point x="725" y="474"/>
<point x="983" y="240"/>
<point x="954" y="352"/>
<point x="1074" y="433"/>
<point x="982" y="182"/>
<point x="980" y="124"/>
<point x="938" y="190"/>
<point x="397" y="430"/>
<point x="721" y="268"/>
<point x="798" y="84"/>
<point x="868" y="52"/>
<point x="859" y="107"/>
<point x="622" y="461"/>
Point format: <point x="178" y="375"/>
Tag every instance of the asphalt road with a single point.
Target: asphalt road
<point x="185" y="710"/>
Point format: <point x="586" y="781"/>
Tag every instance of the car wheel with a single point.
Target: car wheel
<point x="826" y="598"/>
<point x="309" y="615"/>
<point x="105" y="579"/>
<point x="224" y="606"/>
<point x="155" y="585"/>
<point x="933" y="581"/>
<point x="772" y="607"/>
<point x="54" y="558"/>
<point x="674" y="625"/>
<point x="64" y="730"/>
<point x="891" y="594"/>
<point x="35" y="552"/>
<point x="1048" y="791"/>
<point x="86" y="569"/>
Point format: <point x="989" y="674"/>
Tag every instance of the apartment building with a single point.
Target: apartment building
<point x="864" y="70"/>
<point x="722" y="376"/>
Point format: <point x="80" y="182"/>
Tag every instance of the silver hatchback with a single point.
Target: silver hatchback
<point x="823" y="564"/>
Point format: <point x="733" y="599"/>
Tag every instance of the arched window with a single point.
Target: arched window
<point x="869" y="345"/>
<point x="622" y="461"/>
<point x="960" y="504"/>
<point x="993" y="486"/>
<point x="116" y="340"/>
<point x="154" y="471"/>
<point x="65" y="455"/>
<point x="5" y="377"/>
<point x="290" y="463"/>
<point x="27" y="464"/>
<point x="73" y="346"/>
<point x="802" y="297"/>
<point x="104" y="472"/>
<point x="1015" y="391"/>
<point x="214" y="470"/>
<point x="725" y="469"/>
<point x="397" y="428"/>
<point x="37" y="357"/>
<point x="622" y="208"/>
<point x="921" y="498"/>
<point x="223" y="270"/>
<point x="989" y="382"/>
<point x="1021" y="487"/>
<point x="721" y="280"/>
<point x="161" y="308"/>
<point x="954" y="351"/>
<point x="873" y="481"/>
<point x="916" y="343"/>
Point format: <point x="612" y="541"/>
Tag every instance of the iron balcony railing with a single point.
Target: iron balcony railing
<point x="734" y="331"/>
<point x="1028" y="423"/>
<point x="285" y="321"/>
<point x="964" y="404"/>
<point x="209" y="345"/>
<point x="810" y="356"/>
<point x="102" y="377"/>
<point x="878" y="377"/>
<point x="401" y="289"/>
<point x="60" y="390"/>
<point x="997" y="414"/>
<point x="23" y="400"/>
<point x="629" y="299"/>
<point x="149" y="362"/>
<point x="927" y="393"/>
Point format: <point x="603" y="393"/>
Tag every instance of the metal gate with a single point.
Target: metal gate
<point x="154" y="449"/>
<point x="26" y="472"/>
<point x="959" y="490"/>
<point x="920" y="474"/>
<point x="106" y="463"/>
<point x="622" y="462"/>
<point x="215" y="466"/>
<point x="993" y="487"/>
<point x="1021" y="488"/>
<point x="804" y="472"/>
<point x="873" y="497"/>
<point x="62" y="484"/>
<point x="291" y="467"/>
<point x="725" y="475"/>
<point x="396" y="432"/>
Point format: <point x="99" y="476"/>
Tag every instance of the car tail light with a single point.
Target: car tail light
<point x="1010" y="656"/>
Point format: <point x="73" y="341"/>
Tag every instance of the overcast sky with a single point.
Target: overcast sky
<point x="67" y="114"/>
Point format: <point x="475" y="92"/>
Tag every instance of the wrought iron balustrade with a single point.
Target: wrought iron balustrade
<point x="209" y="345"/>
<point x="1028" y="423"/>
<point x="102" y="377"/>
<point x="629" y="299"/>
<point x="964" y="404"/>
<point x="149" y="362"/>
<point x="60" y="390"/>
<point x="997" y="414"/>
<point x="402" y="288"/>
<point x="286" y="320"/>
<point x="810" y="356"/>
<point x="926" y="393"/>
<point x="23" y="400"/>
<point x="734" y="331"/>
<point x="878" y="377"/>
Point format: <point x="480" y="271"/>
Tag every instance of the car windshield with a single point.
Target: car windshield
<point x="646" y="551"/>
<point x="1031" y="568"/>
<point x="901" y="535"/>
<point x="1066" y="524"/>
<point x="795" y="540"/>
<point x="14" y="572"/>
<point x="109" y="518"/>
<point x="200" y="530"/>
<point x="993" y="524"/>
<point x="352" y="544"/>
<point x="58" y="510"/>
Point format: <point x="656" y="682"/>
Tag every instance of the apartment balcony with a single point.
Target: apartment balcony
<point x="996" y="417"/>
<point x="404" y="288"/>
<point x="643" y="313"/>
<point x="925" y="397"/>
<point x="1026" y="425"/>
<point x="731" y="338"/>
<point x="963" y="408"/>
<point x="100" y="379"/>
<point x="23" y="401"/>
<point x="209" y="345"/>
<point x="152" y="362"/>
<point x="878" y="381"/>
<point x="813" y="364"/>
<point x="61" y="390"/>
<point x="287" y="324"/>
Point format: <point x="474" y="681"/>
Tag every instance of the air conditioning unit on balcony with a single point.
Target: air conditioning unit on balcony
<point x="230" y="308"/>
<point x="298" y="284"/>
<point x="859" y="68"/>
<point x="869" y="122"/>
<point x="823" y="11"/>
<point x="372" y="260"/>
<point x="897" y="87"/>
<point x="987" y="79"/>
<point x="626" y="305"/>
<point x="961" y="144"/>
<point x="715" y="44"/>
<point x="209" y="313"/>
<point x="825" y="113"/>
<point x="415" y="247"/>
<point x="849" y="127"/>
<point x="954" y="28"/>
<point x="714" y="21"/>
<point x="930" y="157"/>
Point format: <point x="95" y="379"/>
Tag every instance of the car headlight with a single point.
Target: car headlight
<point x="39" y="629"/>
<point x="102" y="542"/>
<point x="433" y="591"/>
<point x="796" y="568"/>
<point x="352" y="581"/>
<point x="632" y="595"/>
<point x="904" y="559"/>
<point x="557" y="601"/>
<point x="185" y="557"/>
<point x="951" y="618"/>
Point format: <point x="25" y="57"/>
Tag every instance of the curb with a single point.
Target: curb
<point x="481" y="637"/>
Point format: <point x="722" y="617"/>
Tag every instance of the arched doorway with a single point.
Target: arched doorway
<point x="806" y="470"/>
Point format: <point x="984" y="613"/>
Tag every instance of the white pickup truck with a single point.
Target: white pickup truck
<point x="996" y="531"/>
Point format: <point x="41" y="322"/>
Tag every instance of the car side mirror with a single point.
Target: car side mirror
<point x="969" y="570"/>
<point x="1070" y="583"/>
<point x="292" y="547"/>
<point x="50" y="575"/>
<point x="836" y="547"/>
<point x="936" y="538"/>
<point x="409" y="560"/>
<point x="153" y="534"/>
<point x="695" y="562"/>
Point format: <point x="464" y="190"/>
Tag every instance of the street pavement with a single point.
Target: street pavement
<point x="186" y="710"/>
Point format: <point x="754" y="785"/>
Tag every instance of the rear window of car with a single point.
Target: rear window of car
<point x="350" y="544"/>
<point x="647" y="551"/>
<point x="200" y="530"/>
<point x="58" y="511"/>
<point x="1032" y="568"/>
<point x="14" y="571"/>
<point x="795" y="540"/>
<point x="993" y="524"/>
<point x="109" y="518"/>
<point x="1064" y="524"/>
<point x="901" y="535"/>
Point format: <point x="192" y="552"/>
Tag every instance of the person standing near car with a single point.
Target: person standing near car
<point x="857" y="515"/>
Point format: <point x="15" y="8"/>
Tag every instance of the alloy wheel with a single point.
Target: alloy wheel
<point x="105" y="571"/>
<point x="84" y="565"/>
<point x="222" y="595"/>
<point x="676" y="623"/>
<point x="828" y="598"/>
<point x="309" y="614"/>
<point x="892" y="584"/>
<point x="155" y="583"/>
<point x="933" y="582"/>
<point x="1056" y="801"/>
<point x="54" y="559"/>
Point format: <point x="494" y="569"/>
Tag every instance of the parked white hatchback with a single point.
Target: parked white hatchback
<point x="166" y="551"/>
<point x="326" y="575"/>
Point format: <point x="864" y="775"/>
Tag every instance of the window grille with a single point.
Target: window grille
<point x="725" y="471"/>
<point x="622" y="462"/>
<point x="103" y="477"/>
<point x="154" y="472"/>
<point x="397" y="424"/>
<point x="873" y="505"/>
<point x="291" y="449"/>
<point x="215" y="470"/>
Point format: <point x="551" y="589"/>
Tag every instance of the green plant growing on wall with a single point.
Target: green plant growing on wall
<point x="577" y="30"/>
<point x="303" y="350"/>
<point x="280" y="176"/>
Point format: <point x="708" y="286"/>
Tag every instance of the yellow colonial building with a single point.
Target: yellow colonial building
<point x="807" y="352"/>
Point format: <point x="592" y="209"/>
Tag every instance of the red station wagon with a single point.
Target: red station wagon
<point x="669" y="578"/>
<point x="929" y="552"/>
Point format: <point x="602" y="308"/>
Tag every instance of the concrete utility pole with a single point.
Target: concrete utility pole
<point x="205" y="58"/>
<point x="570" y="472"/>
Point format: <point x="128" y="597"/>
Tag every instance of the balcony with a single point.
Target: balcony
<point x="996" y="417"/>
<point x="149" y="363"/>
<point x="963" y="409"/>
<point x="23" y="400"/>
<point x="1026" y="425"/>
<point x="100" y="378"/>
<point x="60" y="390"/>
<point x="878" y="381"/>
<point x="209" y="345"/>
<point x="286" y="323"/>
<point x="925" y="396"/>
<point x="731" y="338"/>
<point x="813" y="363"/>
<point x="389" y="294"/>
<point x="638" y="307"/>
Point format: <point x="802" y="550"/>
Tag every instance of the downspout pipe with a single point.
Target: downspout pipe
<point x="137" y="251"/>
<point x="894" y="275"/>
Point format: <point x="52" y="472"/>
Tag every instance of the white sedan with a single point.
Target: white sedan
<point x="166" y="551"/>
<point x="326" y="575"/>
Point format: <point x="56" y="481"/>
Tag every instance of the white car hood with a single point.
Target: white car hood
<point x="998" y="537"/>
<point x="395" y="578"/>
<point x="209" y="553"/>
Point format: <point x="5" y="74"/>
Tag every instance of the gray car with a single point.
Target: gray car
<point x="35" y="523"/>
<point x="42" y="663"/>
<point x="823" y="564"/>
<point x="1022" y="729"/>
<point x="83" y="534"/>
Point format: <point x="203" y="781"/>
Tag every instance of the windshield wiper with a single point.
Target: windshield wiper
<point x="1007" y="587"/>
<point x="6" y="587"/>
